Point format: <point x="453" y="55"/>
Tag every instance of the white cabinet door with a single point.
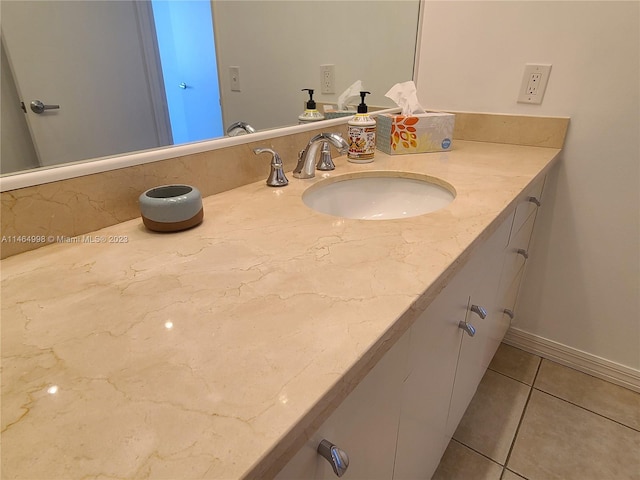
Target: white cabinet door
<point x="365" y="426"/>
<point x="433" y="354"/>
<point x="485" y="269"/>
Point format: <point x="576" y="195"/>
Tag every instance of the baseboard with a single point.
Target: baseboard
<point x="574" y="358"/>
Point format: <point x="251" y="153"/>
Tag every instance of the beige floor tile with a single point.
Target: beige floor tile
<point x="491" y="420"/>
<point x="462" y="463"/>
<point x="612" y="401"/>
<point x="509" y="475"/>
<point x="558" y="440"/>
<point x="515" y="363"/>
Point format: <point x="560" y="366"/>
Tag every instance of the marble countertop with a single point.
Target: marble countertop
<point x="213" y="352"/>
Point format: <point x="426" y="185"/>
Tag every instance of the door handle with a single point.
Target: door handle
<point x="38" y="107"/>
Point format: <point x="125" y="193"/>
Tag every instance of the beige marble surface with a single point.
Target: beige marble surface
<point x="83" y="204"/>
<point x="213" y="352"/>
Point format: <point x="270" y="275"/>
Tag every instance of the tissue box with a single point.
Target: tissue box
<point x="419" y="133"/>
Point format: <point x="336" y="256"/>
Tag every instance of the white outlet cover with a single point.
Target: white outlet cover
<point x="327" y="78"/>
<point x="530" y="69"/>
<point x="234" y="78"/>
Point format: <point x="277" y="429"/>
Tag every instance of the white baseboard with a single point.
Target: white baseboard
<point x="585" y="362"/>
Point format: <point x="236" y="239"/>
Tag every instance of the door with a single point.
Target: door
<point x="86" y="57"/>
<point x="426" y="393"/>
<point x="365" y="426"/>
<point x="476" y="352"/>
<point x="187" y="52"/>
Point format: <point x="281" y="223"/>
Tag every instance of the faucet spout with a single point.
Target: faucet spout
<point x="306" y="167"/>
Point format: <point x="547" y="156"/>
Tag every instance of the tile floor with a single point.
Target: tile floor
<point x="534" y="419"/>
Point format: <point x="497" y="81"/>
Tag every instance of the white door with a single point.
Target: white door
<point x="86" y="57"/>
<point x="188" y="55"/>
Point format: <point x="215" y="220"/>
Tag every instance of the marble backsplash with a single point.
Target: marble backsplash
<point x="75" y="206"/>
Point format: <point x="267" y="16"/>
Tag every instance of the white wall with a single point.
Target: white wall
<point x="582" y="290"/>
<point x="280" y="45"/>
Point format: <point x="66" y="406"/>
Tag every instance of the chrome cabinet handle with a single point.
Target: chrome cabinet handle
<point x="509" y="313"/>
<point x="183" y="85"/>
<point x="338" y="458"/>
<point x="534" y="200"/>
<point x="480" y="311"/>
<point x="38" y="107"/>
<point x="467" y="327"/>
<point x="523" y="252"/>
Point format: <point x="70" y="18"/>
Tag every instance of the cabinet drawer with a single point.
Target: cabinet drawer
<point x="517" y="251"/>
<point x="509" y="299"/>
<point x="527" y="206"/>
<point x="365" y="426"/>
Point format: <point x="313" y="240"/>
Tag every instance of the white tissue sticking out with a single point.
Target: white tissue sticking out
<point x="406" y="97"/>
<point x="353" y="91"/>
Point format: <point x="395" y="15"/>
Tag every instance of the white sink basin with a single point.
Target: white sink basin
<point x="379" y="195"/>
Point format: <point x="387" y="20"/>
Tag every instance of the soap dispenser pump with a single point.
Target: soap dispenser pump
<point x="362" y="134"/>
<point x="311" y="113"/>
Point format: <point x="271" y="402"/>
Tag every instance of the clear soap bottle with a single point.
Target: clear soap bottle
<point x="362" y="134"/>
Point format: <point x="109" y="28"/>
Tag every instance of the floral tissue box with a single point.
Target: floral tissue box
<point x="419" y="133"/>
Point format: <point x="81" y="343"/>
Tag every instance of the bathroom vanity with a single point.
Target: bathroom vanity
<point x="232" y="349"/>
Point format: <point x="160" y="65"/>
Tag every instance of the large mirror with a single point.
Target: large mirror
<point x="108" y="73"/>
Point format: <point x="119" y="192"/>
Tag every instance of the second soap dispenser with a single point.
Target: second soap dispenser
<point x="311" y="113"/>
<point x="362" y="135"/>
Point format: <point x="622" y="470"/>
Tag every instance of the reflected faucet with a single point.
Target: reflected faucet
<point x="306" y="167"/>
<point x="240" y="128"/>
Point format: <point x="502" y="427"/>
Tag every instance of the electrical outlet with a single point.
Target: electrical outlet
<point x="534" y="83"/>
<point x="327" y="79"/>
<point x="234" y="77"/>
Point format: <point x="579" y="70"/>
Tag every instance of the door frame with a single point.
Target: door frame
<point x="151" y="54"/>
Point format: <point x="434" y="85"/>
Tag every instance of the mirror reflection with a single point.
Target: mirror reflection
<point x="115" y="77"/>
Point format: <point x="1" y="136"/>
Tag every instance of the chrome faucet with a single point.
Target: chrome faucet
<point x="276" y="177"/>
<point x="240" y="128"/>
<point x="306" y="167"/>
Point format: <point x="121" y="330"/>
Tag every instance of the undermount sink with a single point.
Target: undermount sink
<point x="379" y="195"/>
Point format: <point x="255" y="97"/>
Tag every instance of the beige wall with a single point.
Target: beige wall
<point x="582" y="291"/>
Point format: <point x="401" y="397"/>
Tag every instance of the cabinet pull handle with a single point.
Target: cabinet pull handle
<point x="523" y="252"/>
<point x="480" y="311"/>
<point x="467" y="327"/>
<point x="338" y="458"/>
<point x="509" y="313"/>
<point x="534" y="200"/>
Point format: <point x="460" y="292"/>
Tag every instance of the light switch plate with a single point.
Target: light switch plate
<point x="234" y="77"/>
<point x="534" y="83"/>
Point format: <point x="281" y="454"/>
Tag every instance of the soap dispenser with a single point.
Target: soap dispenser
<point x="362" y="134"/>
<point x="311" y="114"/>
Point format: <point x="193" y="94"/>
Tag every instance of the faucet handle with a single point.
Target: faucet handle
<point x="276" y="177"/>
<point x="325" y="162"/>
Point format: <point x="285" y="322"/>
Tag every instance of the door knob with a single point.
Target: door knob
<point x="338" y="459"/>
<point x="38" y="107"/>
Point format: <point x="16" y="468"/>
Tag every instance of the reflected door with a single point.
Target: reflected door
<point x="187" y="53"/>
<point x="71" y="54"/>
